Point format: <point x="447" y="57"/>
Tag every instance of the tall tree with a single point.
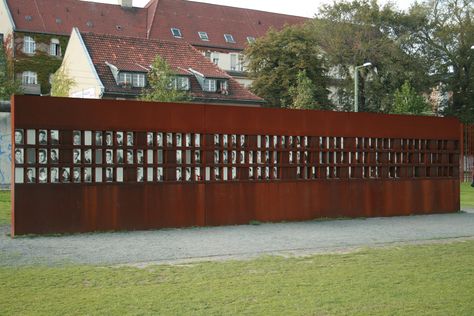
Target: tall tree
<point x="303" y="93"/>
<point x="161" y="84"/>
<point x="354" y="32"/>
<point x="61" y="83"/>
<point x="442" y="31"/>
<point x="275" y="60"/>
<point x="408" y="101"/>
<point x="8" y="85"/>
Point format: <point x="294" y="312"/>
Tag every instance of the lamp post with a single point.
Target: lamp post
<point x="356" y="84"/>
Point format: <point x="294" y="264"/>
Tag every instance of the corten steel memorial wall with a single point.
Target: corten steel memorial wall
<point x="88" y="165"/>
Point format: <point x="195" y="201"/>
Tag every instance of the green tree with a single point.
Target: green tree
<point x="408" y="101"/>
<point x="275" y="60"/>
<point x="354" y="32"/>
<point x="161" y="84"/>
<point x="61" y="83"/>
<point x="442" y="32"/>
<point x="303" y="93"/>
<point x="8" y="85"/>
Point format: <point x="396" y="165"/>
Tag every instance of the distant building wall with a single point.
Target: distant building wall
<point x="5" y="150"/>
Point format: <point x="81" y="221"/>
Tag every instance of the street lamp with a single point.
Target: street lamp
<point x="356" y="84"/>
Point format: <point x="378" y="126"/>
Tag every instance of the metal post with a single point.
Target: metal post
<point x="356" y="89"/>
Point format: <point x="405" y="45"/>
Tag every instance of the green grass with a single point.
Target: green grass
<point x="5" y="208"/>
<point x="410" y="280"/>
<point x="467" y="195"/>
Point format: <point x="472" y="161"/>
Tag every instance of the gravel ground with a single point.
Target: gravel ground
<point x="236" y="242"/>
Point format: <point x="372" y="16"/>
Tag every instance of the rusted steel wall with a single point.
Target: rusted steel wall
<point x="468" y="153"/>
<point x="212" y="165"/>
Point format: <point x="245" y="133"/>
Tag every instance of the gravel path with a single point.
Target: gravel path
<point x="246" y="241"/>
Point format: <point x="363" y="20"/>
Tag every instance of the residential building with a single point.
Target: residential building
<point x="115" y="67"/>
<point x="36" y="32"/>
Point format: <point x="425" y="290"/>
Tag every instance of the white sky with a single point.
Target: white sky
<point x="293" y="7"/>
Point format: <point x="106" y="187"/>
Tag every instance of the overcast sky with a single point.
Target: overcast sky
<point x="294" y="7"/>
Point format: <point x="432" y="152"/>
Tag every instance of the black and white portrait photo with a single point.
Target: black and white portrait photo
<point x="267" y="172"/>
<point x="275" y="157"/>
<point x="197" y="156"/>
<point x="65" y="175"/>
<point x="140" y="156"/>
<point x="76" y="175"/>
<point x="216" y="156"/>
<point x="30" y="175"/>
<point x="242" y="140"/>
<point x="225" y="157"/>
<point x="259" y="173"/>
<point x="275" y="172"/>
<point x="298" y="141"/>
<point x="216" y="140"/>
<point x="267" y="141"/>
<point x="234" y="173"/>
<point x="119" y="154"/>
<point x="242" y="156"/>
<point x="234" y="157"/>
<point x="305" y="141"/>
<point x="87" y="174"/>
<point x="298" y="157"/>
<point x="275" y="141"/>
<point x="109" y="141"/>
<point x="188" y="140"/>
<point x="129" y="138"/>
<point x="233" y="139"/>
<point x="109" y="156"/>
<point x="76" y="158"/>
<point x="159" y="139"/>
<point x="88" y="156"/>
<point x="250" y="172"/>
<point x="76" y="138"/>
<point x="267" y="157"/>
<point x="159" y="174"/>
<point x="109" y="175"/>
<point x="54" y="133"/>
<point x="179" y="174"/>
<point x="290" y="157"/>
<point x="54" y="176"/>
<point x="179" y="140"/>
<point x="130" y="156"/>
<point x="19" y="155"/>
<point x="119" y="138"/>
<point x="169" y="139"/>
<point x="149" y="139"/>
<point x="225" y="140"/>
<point x="290" y="141"/>
<point x="259" y="141"/>
<point x="217" y="175"/>
<point x="250" y="157"/>
<point x="43" y="137"/>
<point x="197" y="174"/>
<point x="188" y="174"/>
<point x="42" y="156"/>
<point x="259" y="157"/>
<point x="43" y="175"/>
<point x="140" y="177"/>
<point x="98" y="138"/>
<point x="283" y="143"/>
<point x="197" y="140"/>
<point x="19" y="137"/>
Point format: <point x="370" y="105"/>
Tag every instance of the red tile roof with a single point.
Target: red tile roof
<point x="154" y="21"/>
<point x="193" y="17"/>
<point x="135" y="54"/>
<point x="60" y="16"/>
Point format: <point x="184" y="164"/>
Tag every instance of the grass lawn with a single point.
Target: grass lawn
<point x="5" y="211"/>
<point x="467" y="195"/>
<point x="409" y="280"/>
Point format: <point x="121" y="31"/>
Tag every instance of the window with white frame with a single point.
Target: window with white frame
<point x="250" y="39"/>
<point x="176" y="32"/>
<point x="215" y="58"/>
<point x="209" y="85"/>
<point x="229" y="38"/>
<point x="55" y="47"/>
<point x="180" y="83"/>
<point x="203" y="36"/>
<point x="125" y="78"/>
<point x="29" y="77"/>
<point x="29" y="45"/>
<point x="138" y="80"/>
<point x="222" y="87"/>
<point x="236" y="62"/>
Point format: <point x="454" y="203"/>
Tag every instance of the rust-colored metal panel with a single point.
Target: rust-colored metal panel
<point x="127" y="165"/>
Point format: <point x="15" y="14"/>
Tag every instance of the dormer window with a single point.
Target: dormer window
<point x="136" y="80"/>
<point x="29" y="45"/>
<point x="250" y="39"/>
<point x="176" y="32"/>
<point x="55" y="48"/>
<point x="180" y="83"/>
<point x="229" y="38"/>
<point x="209" y="85"/>
<point x="203" y="36"/>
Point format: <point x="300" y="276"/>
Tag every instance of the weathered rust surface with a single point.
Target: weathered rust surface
<point x="425" y="183"/>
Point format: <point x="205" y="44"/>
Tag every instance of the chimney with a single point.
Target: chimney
<point x="126" y="4"/>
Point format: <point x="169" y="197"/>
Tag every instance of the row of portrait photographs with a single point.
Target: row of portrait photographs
<point x="31" y="156"/>
<point x="176" y="139"/>
<point x="259" y="157"/>
<point x="266" y="141"/>
<point x="45" y="137"/>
